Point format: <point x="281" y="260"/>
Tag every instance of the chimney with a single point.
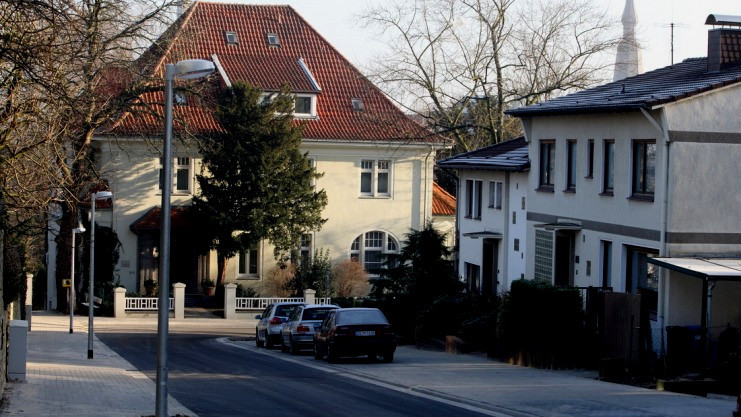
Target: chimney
<point x="724" y="43"/>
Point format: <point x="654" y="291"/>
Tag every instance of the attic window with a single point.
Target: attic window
<point x="273" y="39"/>
<point x="179" y="99"/>
<point x="357" y="104"/>
<point x="231" y="38"/>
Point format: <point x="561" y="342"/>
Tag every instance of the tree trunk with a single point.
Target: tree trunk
<point x="222" y="261"/>
<point x="64" y="252"/>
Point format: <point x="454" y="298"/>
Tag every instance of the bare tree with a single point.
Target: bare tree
<point x="459" y="64"/>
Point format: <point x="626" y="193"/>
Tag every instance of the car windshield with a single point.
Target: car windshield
<point x="316" y="313"/>
<point x="285" y="310"/>
<point x="361" y="317"/>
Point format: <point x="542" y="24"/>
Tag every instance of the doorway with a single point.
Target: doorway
<point x="490" y="261"/>
<point x="564" y="262"/>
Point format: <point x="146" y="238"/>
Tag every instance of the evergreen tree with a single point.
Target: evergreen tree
<point x="257" y="185"/>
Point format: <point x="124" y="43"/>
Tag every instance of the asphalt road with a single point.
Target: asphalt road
<point x="215" y="379"/>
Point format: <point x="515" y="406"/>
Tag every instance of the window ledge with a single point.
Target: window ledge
<point x="375" y="197"/>
<point x="607" y="194"/>
<point x="248" y="278"/>
<point x="570" y="190"/>
<point x="588" y="177"/>
<point x="545" y="189"/>
<point x="642" y="197"/>
<point x="495" y="207"/>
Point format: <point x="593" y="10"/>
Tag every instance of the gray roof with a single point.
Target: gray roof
<point x="511" y="155"/>
<point x="646" y="90"/>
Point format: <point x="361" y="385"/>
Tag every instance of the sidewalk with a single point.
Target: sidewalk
<point x="61" y="381"/>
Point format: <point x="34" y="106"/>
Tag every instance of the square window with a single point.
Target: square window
<point x="231" y="38"/>
<point x="375" y="177"/>
<point x="495" y="194"/>
<point x="302" y="105"/>
<point x="273" y="39"/>
<point x="357" y="104"/>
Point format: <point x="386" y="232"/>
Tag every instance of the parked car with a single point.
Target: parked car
<point x="267" y="332"/>
<point x="355" y="332"/>
<point x="298" y="331"/>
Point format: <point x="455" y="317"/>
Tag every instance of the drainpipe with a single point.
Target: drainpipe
<point x="505" y="249"/>
<point x="661" y="126"/>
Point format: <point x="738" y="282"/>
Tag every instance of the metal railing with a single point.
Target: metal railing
<point x="252" y="303"/>
<point x="144" y="303"/>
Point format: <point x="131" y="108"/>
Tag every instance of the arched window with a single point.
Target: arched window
<point x="368" y="248"/>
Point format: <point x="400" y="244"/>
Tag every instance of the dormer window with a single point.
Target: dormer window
<point x="273" y="39"/>
<point x="357" y="104"/>
<point x="231" y="38"/>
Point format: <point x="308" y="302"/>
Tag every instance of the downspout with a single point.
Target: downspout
<point x="505" y="249"/>
<point x="426" y="190"/>
<point x="661" y="126"/>
<point x="457" y="242"/>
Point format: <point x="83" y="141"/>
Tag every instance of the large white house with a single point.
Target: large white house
<point x="492" y="202"/>
<point x="642" y="168"/>
<point x="377" y="163"/>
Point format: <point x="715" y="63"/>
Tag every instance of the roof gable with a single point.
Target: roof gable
<point x="304" y="60"/>
<point x="443" y="203"/>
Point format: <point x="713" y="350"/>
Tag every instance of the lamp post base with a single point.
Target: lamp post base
<point x="89" y="354"/>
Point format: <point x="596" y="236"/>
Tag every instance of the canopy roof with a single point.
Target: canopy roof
<point x="706" y="268"/>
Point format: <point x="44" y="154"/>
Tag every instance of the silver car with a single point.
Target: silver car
<point x="298" y="331"/>
<point x="267" y="332"/>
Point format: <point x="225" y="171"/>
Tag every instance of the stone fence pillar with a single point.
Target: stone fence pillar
<point x="310" y="296"/>
<point x="230" y="301"/>
<point x="178" y="290"/>
<point x="119" y="302"/>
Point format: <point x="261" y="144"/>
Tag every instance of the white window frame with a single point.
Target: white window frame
<point x="359" y="247"/>
<point x="178" y="163"/>
<point x="473" y="201"/>
<point x="246" y="256"/>
<point x="496" y="191"/>
<point x="305" y="246"/>
<point x="312" y="106"/>
<point x="374" y="167"/>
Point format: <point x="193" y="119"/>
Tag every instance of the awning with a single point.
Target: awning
<point x="151" y="220"/>
<point x="484" y="234"/>
<point x="559" y="226"/>
<point x="710" y="269"/>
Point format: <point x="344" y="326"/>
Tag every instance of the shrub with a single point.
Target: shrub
<point x="350" y="279"/>
<point x="277" y="281"/>
<point x="247" y="292"/>
<point x="541" y="325"/>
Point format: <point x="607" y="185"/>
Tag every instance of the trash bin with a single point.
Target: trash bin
<point x="678" y="345"/>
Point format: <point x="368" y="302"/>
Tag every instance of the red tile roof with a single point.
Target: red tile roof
<point x="443" y="203"/>
<point x="199" y="33"/>
<point x="179" y="217"/>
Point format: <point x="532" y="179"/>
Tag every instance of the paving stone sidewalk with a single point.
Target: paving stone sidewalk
<point x="61" y="381"/>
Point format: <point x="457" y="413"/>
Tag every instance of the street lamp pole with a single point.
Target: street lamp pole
<point x="91" y="284"/>
<point x="72" y="296"/>
<point x="187" y="69"/>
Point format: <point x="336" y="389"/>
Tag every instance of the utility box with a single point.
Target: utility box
<point x="17" y="348"/>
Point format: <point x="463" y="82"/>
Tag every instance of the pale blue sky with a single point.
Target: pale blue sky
<point x="335" y="20"/>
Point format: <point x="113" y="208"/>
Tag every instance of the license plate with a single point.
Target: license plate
<point x="366" y="333"/>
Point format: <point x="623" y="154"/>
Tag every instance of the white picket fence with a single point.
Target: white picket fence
<point x="145" y="303"/>
<point x="259" y="303"/>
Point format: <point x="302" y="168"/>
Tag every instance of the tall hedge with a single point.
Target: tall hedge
<point x="542" y="325"/>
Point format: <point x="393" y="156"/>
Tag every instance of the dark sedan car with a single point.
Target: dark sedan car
<point x="355" y="332"/>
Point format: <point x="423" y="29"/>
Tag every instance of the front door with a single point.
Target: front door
<point x="490" y="268"/>
<point x="564" y="267"/>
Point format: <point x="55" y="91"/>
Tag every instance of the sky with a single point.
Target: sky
<point x="336" y="20"/>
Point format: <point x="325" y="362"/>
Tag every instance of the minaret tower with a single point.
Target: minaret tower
<point x="628" y="61"/>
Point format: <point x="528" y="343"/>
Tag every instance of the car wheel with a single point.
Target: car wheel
<point x="283" y="346"/>
<point x="332" y="354"/>
<point x="258" y="342"/>
<point x="317" y="354"/>
<point x="388" y="357"/>
<point x="372" y="356"/>
<point x="293" y="348"/>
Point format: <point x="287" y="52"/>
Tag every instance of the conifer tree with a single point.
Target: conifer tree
<point x="257" y="184"/>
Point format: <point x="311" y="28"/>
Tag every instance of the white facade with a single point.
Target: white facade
<point x="598" y="236"/>
<point x="132" y="170"/>
<point x="492" y="245"/>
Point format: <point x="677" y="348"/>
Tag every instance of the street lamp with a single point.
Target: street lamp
<point x="79" y="229"/>
<point x="94" y="197"/>
<point x="187" y="69"/>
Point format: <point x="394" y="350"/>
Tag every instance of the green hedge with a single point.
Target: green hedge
<point x="542" y="325"/>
